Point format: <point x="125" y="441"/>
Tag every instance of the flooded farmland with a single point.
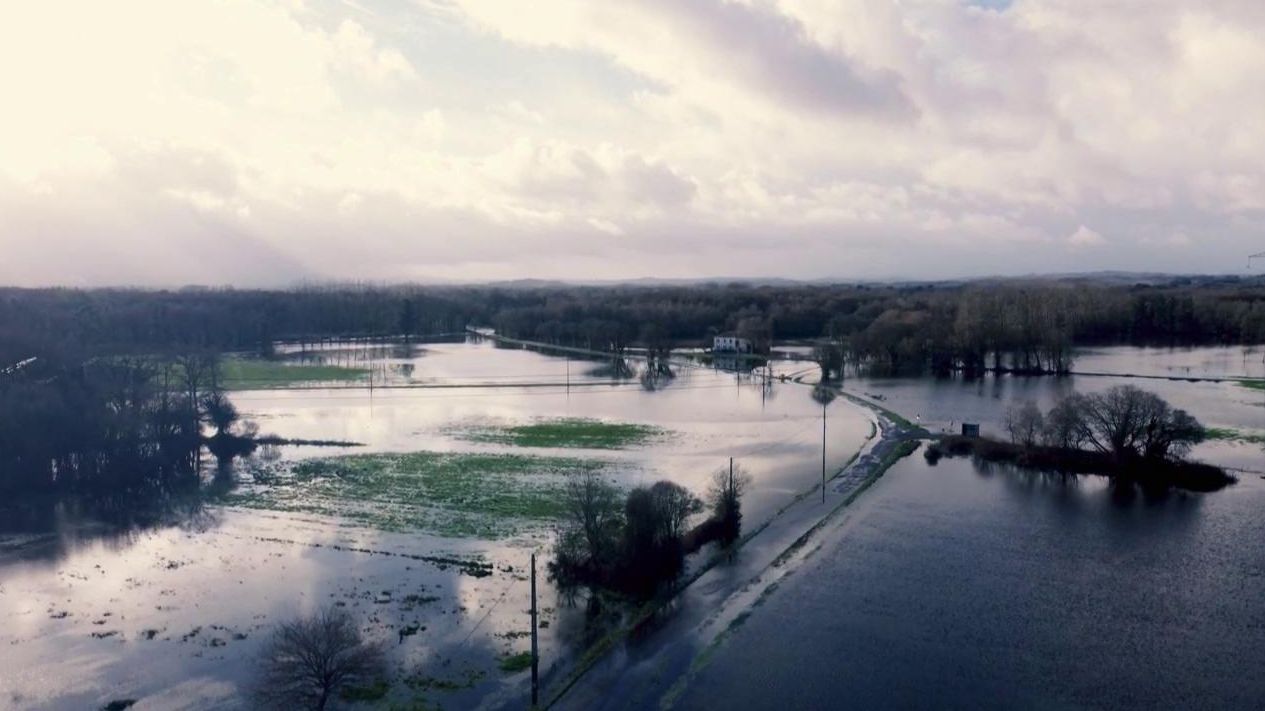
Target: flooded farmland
<point x="440" y="474"/>
<point x="172" y="612"/>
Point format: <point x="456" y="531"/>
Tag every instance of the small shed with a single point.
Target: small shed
<point x="970" y="429"/>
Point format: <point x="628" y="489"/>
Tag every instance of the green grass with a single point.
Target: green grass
<point x="1232" y="435"/>
<point x="372" y="692"/>
<point x="513" y="663"/>
<point x="1253" y="384"/>
<point x="251" y="374"/>
<point x="450" y="494"/>
<point x="464" y="680"/>
<point x="566" y="432"/>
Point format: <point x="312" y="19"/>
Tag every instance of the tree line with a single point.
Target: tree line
<point x="80" y="395"/>
<point x="1029" y="322"/>
<point x="126" y="425"/>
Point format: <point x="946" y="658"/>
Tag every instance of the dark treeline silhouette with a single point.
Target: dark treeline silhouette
<point x="128" y="425"/>
<point x="1026" y="325"/>
<point x="636" y="544"/>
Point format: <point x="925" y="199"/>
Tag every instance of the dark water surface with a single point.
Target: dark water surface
<point x="951" y="587"/>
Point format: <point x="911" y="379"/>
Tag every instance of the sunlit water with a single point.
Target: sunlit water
<point x="176" y="615"/>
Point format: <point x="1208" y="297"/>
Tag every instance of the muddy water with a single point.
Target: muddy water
<point x="174" y="615"/>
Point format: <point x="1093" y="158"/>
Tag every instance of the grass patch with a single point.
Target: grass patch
<point x="1253" y="384"/>
<point x="373" y="692"/>
<point x="514" y="663"/>
<point x="464" y="680"/>
<point x="254" y="374"/>
<point x="1232" y="435"/>
<point x="452" y="494"/>
<point x="569" y="432"/>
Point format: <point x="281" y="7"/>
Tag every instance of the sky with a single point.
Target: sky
<point x="272" y="143"/>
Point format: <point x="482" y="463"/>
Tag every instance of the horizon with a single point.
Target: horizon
<point x="154" y="144"/>
<point x="1106" y="277"/>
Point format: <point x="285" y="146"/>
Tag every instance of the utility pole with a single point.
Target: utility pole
<point x="823" y="451"/>
<point x="535" y="653"/>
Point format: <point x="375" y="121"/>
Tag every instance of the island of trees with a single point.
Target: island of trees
<point x="636" y="545"/>
<point x="1124" y="432"/>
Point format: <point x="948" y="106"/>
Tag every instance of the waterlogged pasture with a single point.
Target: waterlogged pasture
<point x="424" y="533"/>
<point x="257" y="373"/>
<point x="488" y="496"/>
<point x="577" y="433"/>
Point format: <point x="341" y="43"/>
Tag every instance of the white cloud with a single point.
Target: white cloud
<point x="1085" y="237"/>
<point x="473" y="138"/>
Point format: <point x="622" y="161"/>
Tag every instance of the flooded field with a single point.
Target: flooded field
<point x="424" y="531"/>
<point x="421" y="523"/>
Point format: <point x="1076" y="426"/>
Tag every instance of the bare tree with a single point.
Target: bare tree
<point x="1024" y="423"/>
<point x="675" y="505"/>
<point x="220" y="412"/>
<point x="1065" y="423"/>
<point x="1125" y="422"/>
<point x="309" y="660"/>
<point x="725" y="496"/>
<point x="594" y="510"/>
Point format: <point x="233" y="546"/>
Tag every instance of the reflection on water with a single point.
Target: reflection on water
<point x="170" y="604"/>
<point x="47" y="529"/>
<point x="199" y="577"/>
<point x="944" y="403"/>
<point x="997" y="588"/>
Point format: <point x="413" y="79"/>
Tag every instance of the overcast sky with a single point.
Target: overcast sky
<point x="167" y="142"/>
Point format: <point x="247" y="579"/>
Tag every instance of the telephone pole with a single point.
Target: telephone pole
<point x="535" y="652"/>
<point x="823" y="451"/>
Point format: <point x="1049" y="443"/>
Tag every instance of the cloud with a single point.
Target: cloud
<point x="266" y="141"/>
<point x="1085" y="237"/>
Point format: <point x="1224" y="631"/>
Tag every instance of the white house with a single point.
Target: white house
<point x="730" y="344"/>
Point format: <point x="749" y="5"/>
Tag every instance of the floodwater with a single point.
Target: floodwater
<point x="175" y="614"/>
<point x="955" y="587"/>
<point x="943" y="404"/>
